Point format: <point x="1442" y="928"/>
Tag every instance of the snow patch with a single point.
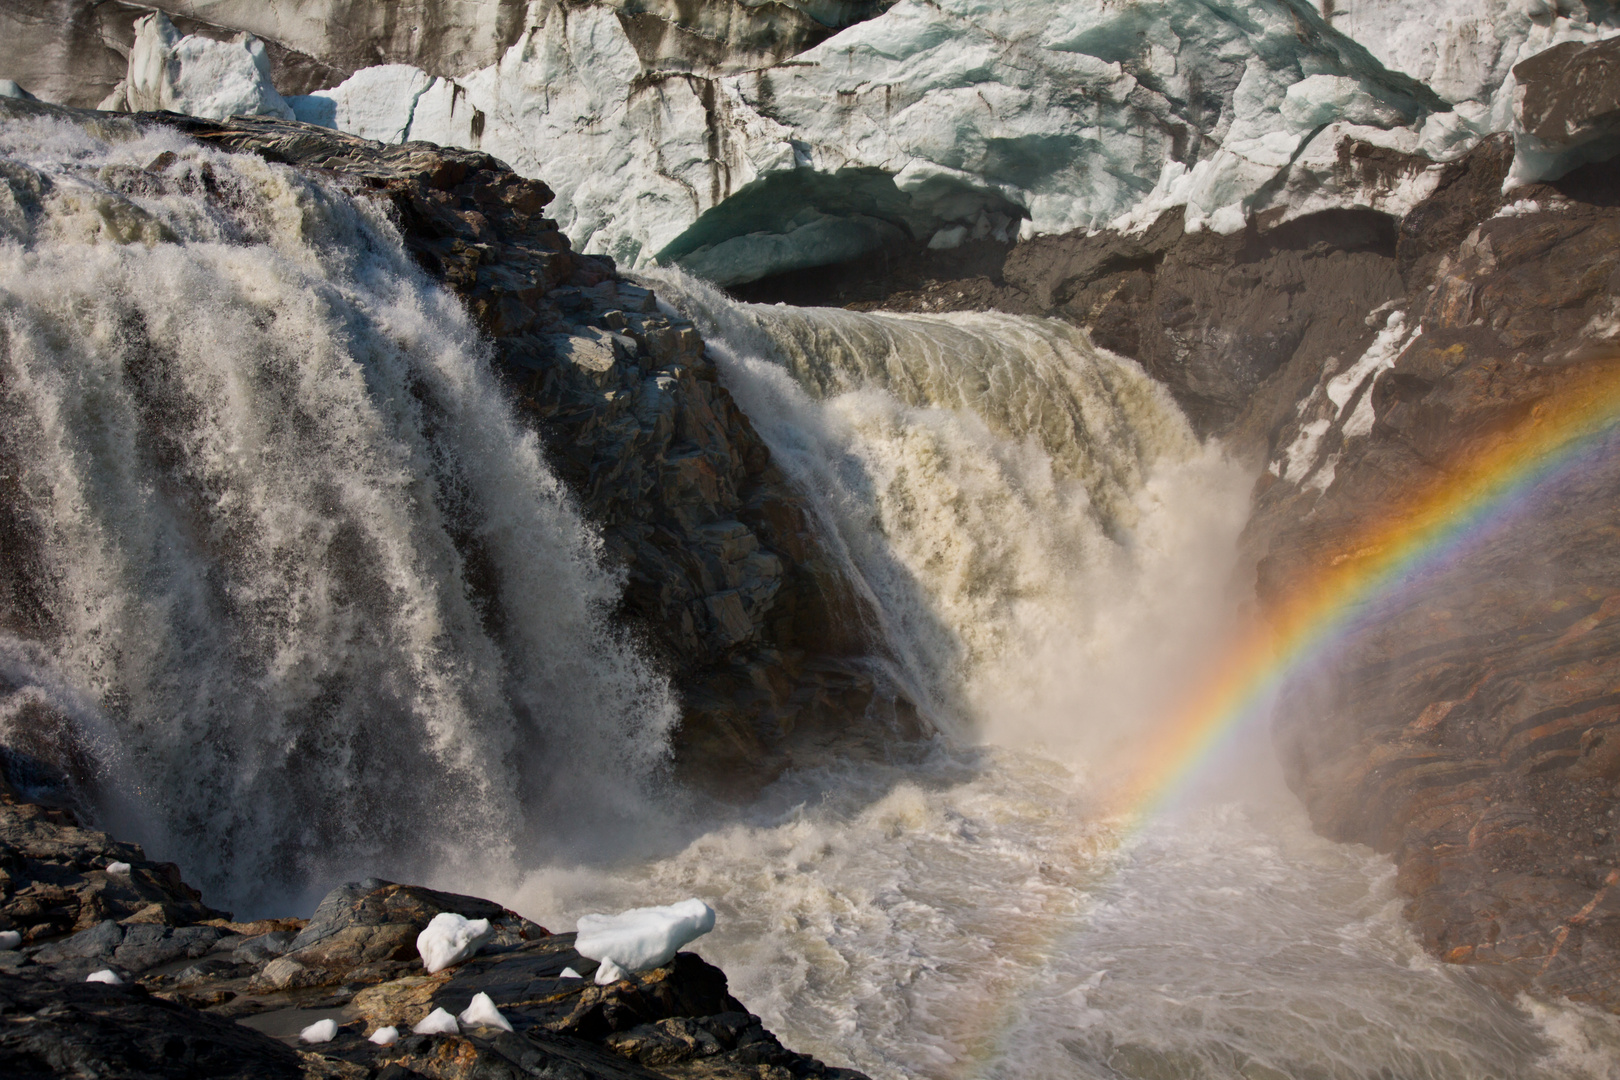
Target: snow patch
<point x="385" y="1036"/>
<point x="450" y="939"/>
<point x="640" y="938"/>
<point x="118" y="868"/>
<point x="11" y="939"/>
<point x="570" y="973"/>
<point x="105" y="975"/>
<point x="437" y="1022"/>
<point x="483" y="1012"/>
<point x="320" y="1031"/>
<point x="1380" y="356"/>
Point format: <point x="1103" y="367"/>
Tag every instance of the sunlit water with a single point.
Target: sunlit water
<point x="245" y="521"/>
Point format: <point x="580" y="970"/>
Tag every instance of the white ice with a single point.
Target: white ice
<point x="105" y="975"/>
<point x="641" y="938"/>
<point x="482" y="1011"/>
<point x="450" y="939"/>
<point x="195" y="75"/>
<point x="319" y="1032"/>
<point x="10" y="939"/>
<point x="1068" y="111"/>
<point x="118" y="868"/>
<point x="437" y="1022"/>
<point x="385" y="1036"/>
<point x="567" y="973"/>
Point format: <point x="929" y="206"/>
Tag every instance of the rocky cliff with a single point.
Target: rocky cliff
<point x="193" y="993"/>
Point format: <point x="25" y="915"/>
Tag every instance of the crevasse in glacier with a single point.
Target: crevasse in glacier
<point x="943" y="120"/>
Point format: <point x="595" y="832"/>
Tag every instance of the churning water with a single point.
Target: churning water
<point x="318" y="599"/>
<point x="283" y="573"/>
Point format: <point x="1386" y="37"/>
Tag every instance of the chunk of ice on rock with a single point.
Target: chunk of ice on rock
<point x="640" y="938"/>
<point x="118" y="868"/>
<point x="10" y="939"/>
<point x="450" y="939"/>
<point x="483" y="1011"/>
<point x="437" y="1022"/>
<point x="319" y="1032"/>
<point x="567" y="973"/>
<point x="385" y="1036"/>
<point x="105" y="975"/>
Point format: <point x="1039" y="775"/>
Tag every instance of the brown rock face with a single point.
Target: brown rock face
<point x="1471" y="726"/>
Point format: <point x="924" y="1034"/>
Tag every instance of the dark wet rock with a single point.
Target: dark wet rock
<point x="373" y="925"/>
<point x="50" y="1029"/>
<point x="203" y="1000"/>
<point x="54" y="878"/>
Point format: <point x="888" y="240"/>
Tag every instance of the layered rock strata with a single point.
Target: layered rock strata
<point x="200" y="995"/>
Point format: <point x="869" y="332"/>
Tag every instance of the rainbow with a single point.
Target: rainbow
<point x="1486" y="487"/>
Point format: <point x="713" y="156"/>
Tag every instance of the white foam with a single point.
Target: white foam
<point x="641" y="938"/>
<point x="450" y="939"/>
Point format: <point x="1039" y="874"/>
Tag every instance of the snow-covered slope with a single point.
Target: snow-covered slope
<point x="942" y="120"/>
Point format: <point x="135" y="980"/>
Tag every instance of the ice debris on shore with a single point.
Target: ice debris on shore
<point x="570" y="973"/>
<point x="320" y="1031"/>
<point x="121" y="868"/>
<point x="482" y="1011"/>
<point x="105" y="975"/>
<point x="640" y="938"/>
<point x="385" y="1036"/>
<point x="10" y="939"/>
<point x="450" y="939"/>
<point x="437" y="1022"/>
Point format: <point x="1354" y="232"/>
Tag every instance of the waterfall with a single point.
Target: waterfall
<point x="279" y="560"/>
<point x="1038" y="529"/>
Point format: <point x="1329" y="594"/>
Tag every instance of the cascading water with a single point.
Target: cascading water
<point x="288" y="577"/>
<point x="275" y="543"/>
<point x="1048" y="548"/>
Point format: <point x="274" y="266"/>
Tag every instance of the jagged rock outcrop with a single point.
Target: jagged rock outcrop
<point x="199" y="995"/>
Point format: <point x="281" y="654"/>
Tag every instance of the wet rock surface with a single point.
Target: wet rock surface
<point x="1471" y="728"/>
<point x="203" y="996"/>
<point x="726" y="581"/>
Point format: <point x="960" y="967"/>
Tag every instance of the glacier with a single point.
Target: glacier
<point x="941" y="121"/>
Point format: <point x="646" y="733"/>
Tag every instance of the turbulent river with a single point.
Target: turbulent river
<point x="286" y="576"/>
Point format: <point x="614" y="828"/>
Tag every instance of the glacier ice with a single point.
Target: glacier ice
<point x="449" y="939"/>
<point x="920" y="124"/>
<point x="196" y="75"/>
<point x="640" y="938"/>
<point x="385" y="1036"/>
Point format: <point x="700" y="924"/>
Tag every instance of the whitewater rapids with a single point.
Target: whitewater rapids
<point x="288" y="579"/>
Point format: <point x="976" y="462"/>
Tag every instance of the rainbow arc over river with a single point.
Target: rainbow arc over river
<point x="1487" y="487"/>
